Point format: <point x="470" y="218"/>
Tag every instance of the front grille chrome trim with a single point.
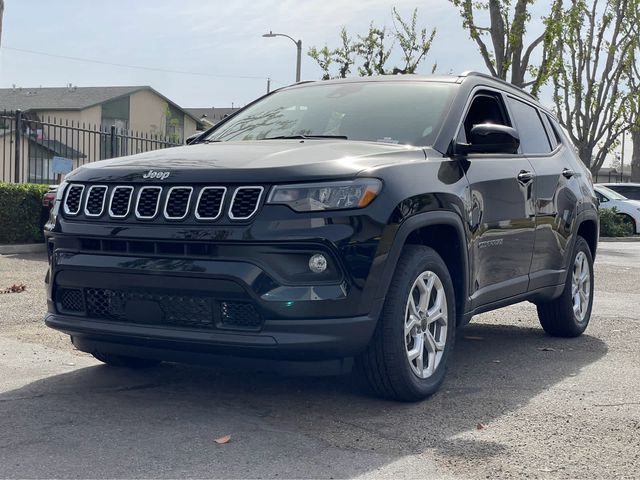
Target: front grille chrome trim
<point x="166" y="202"/>
<point x="86" y="200"/>
<point x="220" y="209"/>
<point x="155" y="212"/>
<point x="257" y="205"/>
<point x="66" y="198"/>
<point x="115" y="189"/>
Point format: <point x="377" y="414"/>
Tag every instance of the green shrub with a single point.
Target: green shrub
<point x="20" y="212"/>
<point x="612" y="224"/>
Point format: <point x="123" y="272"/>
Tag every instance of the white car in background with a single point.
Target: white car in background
<point x="630" y="209"/>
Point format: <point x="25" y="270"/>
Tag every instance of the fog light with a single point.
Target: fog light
<point x="318" y="263"/>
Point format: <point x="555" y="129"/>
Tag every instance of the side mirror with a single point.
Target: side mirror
<point x="489" y="138"/>
<point x="192" y="138"/>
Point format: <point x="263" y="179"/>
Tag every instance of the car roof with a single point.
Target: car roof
<point x="622" y="184"/>
<point x="475" y="78"/>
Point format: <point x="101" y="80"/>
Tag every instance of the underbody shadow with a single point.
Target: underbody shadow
<point x="106" y="422"/>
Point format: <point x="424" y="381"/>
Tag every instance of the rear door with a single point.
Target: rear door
<point x="502" y="211"/>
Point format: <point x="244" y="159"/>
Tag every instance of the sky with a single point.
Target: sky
<point x="220" y="38"/>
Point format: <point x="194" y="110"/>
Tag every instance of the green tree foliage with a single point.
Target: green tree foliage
<point x="508" y="57"/>
<point x="591" y="89"/>
<point x="370" y="53"/>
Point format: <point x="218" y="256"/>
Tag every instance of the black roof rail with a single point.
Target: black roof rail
<point x="472" y="73"/>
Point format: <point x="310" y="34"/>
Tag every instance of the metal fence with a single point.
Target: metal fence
<point x="38" y="150"/>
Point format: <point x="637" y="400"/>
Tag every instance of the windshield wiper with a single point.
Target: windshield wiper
<point x="304" y="137"/>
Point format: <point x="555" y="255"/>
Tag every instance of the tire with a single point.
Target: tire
<point x="122" y="361"/>
<point x="385" y="363"/>
<point x="559" y="317"/>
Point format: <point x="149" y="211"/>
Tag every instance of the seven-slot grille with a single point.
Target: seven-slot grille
<point x="173" y="203"/>
<point x="210" y="203"/>
<point x="245" y="202"/>
<point x="73" y="199"/>
<point x="95" y="200"/>
<point x="177" y="204"/>
<point x="148" y="201"/>
<point x="120" y="201"/>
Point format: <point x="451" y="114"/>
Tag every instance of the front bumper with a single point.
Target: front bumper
<point x="278" y="339"/>
<point x="146" y="305"/>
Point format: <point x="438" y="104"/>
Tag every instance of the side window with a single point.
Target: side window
<point x="554" y="138"/>
<point x="485" y="108"/>
<point x="533" y="137"/>
<point x="601" y="198"/>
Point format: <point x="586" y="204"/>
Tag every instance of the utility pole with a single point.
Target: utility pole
<point x="622" y="158"/>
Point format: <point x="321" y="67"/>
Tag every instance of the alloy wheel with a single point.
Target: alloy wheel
<point x="425" y="325"/>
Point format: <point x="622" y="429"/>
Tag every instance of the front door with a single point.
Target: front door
<point x="502" y="219"/>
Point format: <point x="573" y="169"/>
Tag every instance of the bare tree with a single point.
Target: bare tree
<point x="590" y="88"/>
<point x="633" y="107"/>
<point x="372" y="52"/>
<point x="508" y="57"/>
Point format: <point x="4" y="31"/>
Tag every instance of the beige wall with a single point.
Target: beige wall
<point x="147" y="113"/>
<point x="7" y="157"/>
<point x="89" y="116"/>
<point x="189" y="126"/>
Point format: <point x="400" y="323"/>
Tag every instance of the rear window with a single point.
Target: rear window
<point x="389" y="112"/>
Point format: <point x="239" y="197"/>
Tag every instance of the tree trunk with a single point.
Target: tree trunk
<point x="585" y="152"/>
<point x="635" y="155"/>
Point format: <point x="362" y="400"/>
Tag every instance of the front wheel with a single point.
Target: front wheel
<point x="408" y="354"/>
<point x="569" y="314"/>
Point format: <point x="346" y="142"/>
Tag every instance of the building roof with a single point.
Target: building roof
<point x="69" y="98"/>
<point x="59" y="148"/>
<point x="212" y="115"/>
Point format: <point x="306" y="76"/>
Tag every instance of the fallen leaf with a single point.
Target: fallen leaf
<point x="480" y="426"/>
<point x="496" y="361"/>
<point x="546" y="349"/>
<point x="223" y="440"/>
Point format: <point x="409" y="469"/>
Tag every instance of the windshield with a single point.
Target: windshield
<point x="388" y="112"/>
<point x="610" y="194"/>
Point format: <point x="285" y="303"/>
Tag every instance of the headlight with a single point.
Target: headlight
<point x="308" y="197"/>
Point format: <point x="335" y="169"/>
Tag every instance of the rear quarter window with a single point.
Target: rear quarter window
<point x="533" y="136"/>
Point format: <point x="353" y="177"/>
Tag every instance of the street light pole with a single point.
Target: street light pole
<point x="298" y="46"/>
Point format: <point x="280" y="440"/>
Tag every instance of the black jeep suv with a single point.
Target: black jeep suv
<point x="356" y="219"/>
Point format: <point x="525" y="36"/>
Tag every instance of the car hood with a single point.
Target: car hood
<point x="265" y="161"/>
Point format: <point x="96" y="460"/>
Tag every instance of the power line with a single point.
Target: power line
<point x="139" y="67"/>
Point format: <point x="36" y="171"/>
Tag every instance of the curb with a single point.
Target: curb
<point x="26" y="248"/>
<point x="635" y="238"/>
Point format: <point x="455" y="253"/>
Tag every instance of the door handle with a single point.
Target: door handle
<point x="525" y="176"/>
<point x="568" y="173"/>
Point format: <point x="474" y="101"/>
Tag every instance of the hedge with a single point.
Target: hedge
<point x="20" y="212"/>
<point x="612" y="224"/>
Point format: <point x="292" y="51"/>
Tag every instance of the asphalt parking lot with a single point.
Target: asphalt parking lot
<point x="515" y="403"/>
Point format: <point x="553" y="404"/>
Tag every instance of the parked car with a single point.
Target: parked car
<point x="629" y="209"/>
<point x="362" y="218"/>
<point x="48" y="200"/>
<point x="628" y="190"/>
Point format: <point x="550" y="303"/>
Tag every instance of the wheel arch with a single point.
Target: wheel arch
<point x="444" y="232"/>
<point x="588" y="229"/>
